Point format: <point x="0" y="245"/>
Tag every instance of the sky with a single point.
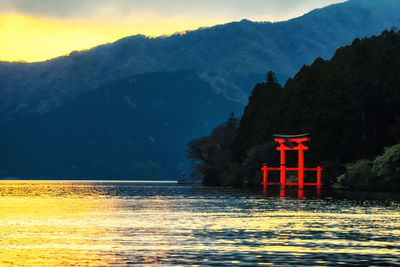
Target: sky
<point x="37" y="30"/>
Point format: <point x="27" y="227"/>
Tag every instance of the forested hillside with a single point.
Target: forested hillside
<point x="349" y="104"/>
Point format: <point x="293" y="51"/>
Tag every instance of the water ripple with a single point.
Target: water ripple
<point x="113" y="224"/>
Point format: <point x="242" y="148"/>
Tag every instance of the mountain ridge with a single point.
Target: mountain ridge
<point x="231" y="57"/>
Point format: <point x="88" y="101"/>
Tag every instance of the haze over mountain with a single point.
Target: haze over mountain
<point x="188" y="83"/>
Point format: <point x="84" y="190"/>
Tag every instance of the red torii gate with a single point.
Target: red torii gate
<point x="291" y="142"/>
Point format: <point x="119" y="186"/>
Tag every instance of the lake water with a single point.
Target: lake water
<point x="103" y="224"/>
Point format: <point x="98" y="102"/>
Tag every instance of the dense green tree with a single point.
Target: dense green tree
<point x="383" y="173"/>
<point x="259" y="116"/>
<point x="387" y="168"/>
<point x="359" y="175"/>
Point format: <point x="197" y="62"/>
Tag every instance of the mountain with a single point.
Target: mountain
<point x="127" y="109"/>
<point x="230" y="57"/>
<point x="349" y="105"/>
<point x="135" y="127"/>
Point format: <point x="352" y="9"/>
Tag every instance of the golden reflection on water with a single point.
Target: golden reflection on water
<point x="41" y="224"/>
<point x="53" y="224"/>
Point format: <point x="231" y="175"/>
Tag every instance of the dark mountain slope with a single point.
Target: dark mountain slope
<point x="136" y="127"/>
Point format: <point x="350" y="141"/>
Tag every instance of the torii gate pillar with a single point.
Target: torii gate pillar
<point x="301" y="149"/>
<point x="282" y="148"/>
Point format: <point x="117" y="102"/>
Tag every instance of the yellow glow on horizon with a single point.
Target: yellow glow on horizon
<point x="33" y="39"/>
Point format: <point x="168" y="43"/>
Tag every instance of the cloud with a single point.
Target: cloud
<point x="230" y="9"/>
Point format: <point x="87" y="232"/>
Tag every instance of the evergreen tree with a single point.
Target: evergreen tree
<point x="259" y="116"/>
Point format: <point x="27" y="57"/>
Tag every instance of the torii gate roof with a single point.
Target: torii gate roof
<point x="291" y="136"/>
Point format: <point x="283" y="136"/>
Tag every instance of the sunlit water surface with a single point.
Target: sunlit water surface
<point x="103" y="224"/>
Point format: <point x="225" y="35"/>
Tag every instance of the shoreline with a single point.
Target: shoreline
<point x="89" y="180"/>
